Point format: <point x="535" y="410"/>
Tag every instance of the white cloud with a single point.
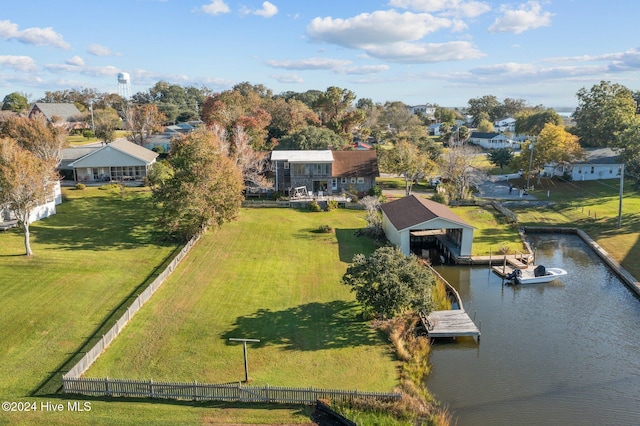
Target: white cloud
<point x="364" y="69"/>
<point x="457" y="8"/>
<point x="216" y="7"/>
<point x="393" y="36"/>
<point x="379" y="27"/>
<point x="308" y="64"/>
<point x="425" y="52"/>
<point x="268" y="10"/>
<point x="18" y="63"/>
<point x="104" y="71"/>
<point x="288" y="78"/>
<point x="338" y="66"/>
<point x="527" y="17"/>
<point x="34" y="36"/>
<point x="99" y="50"/>
<point x="75" y="61"/>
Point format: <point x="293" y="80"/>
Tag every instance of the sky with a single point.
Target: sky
<point x="442" y="52"/>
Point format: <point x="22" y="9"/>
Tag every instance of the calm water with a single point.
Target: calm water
<point x="563" y="353"/>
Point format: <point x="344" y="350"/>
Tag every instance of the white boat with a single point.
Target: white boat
<point x="537" y="275"/>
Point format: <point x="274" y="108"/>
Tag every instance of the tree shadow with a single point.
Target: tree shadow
<point x="349" y="244"/>
<point x="309" y="327"/>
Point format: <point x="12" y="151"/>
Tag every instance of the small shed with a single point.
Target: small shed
<point x="408" y="220"/>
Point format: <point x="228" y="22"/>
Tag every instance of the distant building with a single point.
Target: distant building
<point x="490" y="140"/>
<point x="63" y="115"/>
<point x="427" y="110"/>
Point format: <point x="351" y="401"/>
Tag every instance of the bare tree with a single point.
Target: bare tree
<point x="457" y="169"/>
<point x="143" y="121"/>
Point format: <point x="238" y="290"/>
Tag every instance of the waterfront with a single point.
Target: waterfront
<point x="565" y="353"/>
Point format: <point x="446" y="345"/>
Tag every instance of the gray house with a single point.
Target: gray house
<point x="325" y="172"/>
<point x="120" y="160"/>
<point x="59" y="114"/>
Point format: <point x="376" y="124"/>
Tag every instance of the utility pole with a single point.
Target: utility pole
<point x="621" y="193"/>
<point x="530" y="162"/>
<point x="246" y="362"/>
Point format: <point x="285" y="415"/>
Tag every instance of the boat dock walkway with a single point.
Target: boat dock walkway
<point x="451" y="323"/>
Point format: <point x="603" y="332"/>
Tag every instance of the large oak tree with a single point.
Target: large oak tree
<point x="204" y="187"/>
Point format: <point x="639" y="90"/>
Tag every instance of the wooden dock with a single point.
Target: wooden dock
<point x="452" y="323"/>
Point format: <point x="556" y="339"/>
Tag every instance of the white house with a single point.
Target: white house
<point x="600" y="163"/>
<point x="118" y="161"/>
<point x="427" y="110"/>
<point x="408" y="220"/>
<point x="43" y="211"/>
<point x="490" y="140"/>
<point x="507" y="124"/>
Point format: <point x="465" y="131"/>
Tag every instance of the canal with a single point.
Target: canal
<point x="562" y="353"/>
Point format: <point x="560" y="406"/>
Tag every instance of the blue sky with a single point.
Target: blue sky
<point x="414" y="51"/>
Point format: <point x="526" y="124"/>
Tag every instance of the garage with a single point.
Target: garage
<point x="418" y="225"/>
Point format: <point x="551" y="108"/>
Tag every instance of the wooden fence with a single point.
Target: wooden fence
<point x="234" y="392"/>
<point x="90" y="357"/>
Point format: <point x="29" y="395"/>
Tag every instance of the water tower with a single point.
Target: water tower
<point x="124" y="85"/>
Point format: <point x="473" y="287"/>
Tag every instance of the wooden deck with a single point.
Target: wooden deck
<point x="452" y="323"/>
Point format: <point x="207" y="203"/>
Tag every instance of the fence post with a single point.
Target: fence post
<point x="151" y="387"/>
<point x="106" y="386"/>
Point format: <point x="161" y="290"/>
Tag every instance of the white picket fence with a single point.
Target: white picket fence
<point x="90" y="357"/>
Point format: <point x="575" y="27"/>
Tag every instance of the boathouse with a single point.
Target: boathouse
<point x="413" y="222"/>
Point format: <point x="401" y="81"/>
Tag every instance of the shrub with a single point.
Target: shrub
<point x="80" y="186"/>
<point x="313" y="206"/>
<point x="109" y="187"/>
<point x="324" y="229"/>
<point x="440" y="198"/>
<point x="88" y="134"/>
<point x="332" y="205"/>
<point x="375" y="191"/>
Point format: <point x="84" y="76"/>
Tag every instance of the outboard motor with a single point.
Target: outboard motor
<point x="540" y="271"/>
<point x="514" y="274"/>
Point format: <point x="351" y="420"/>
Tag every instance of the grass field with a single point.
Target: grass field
<point x="269" y="276"/>
<point x="89" y="260"/>
<point x="492" y="232"/>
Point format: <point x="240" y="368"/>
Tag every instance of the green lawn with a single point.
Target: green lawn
<point x="492" y="232"/>
<point x="270" y="276"/>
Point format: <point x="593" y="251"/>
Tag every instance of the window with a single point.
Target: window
<point x="343" y="180"/>
<point x="592" y="169"/>
<point x="360" y="180"/>
<point x="353" y="180"/>
<point x="286" y="165"/>
<point x="334" y="184"/>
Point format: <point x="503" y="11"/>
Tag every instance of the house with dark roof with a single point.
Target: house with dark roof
<point x="415" y="224"/>
<point x="490" y="140"/>
<point x="59" y="114"/>
<point x="120" y="160"/>
<point x="325" y="171"/>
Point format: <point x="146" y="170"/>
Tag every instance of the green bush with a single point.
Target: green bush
<point x="375" y="191"/>
<point x="80" y="186"/>
<point x="313" y="206"/>
<point x="325" y="229"/>
<point x="88" y="134"/>
<point x="332" y="205"/>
